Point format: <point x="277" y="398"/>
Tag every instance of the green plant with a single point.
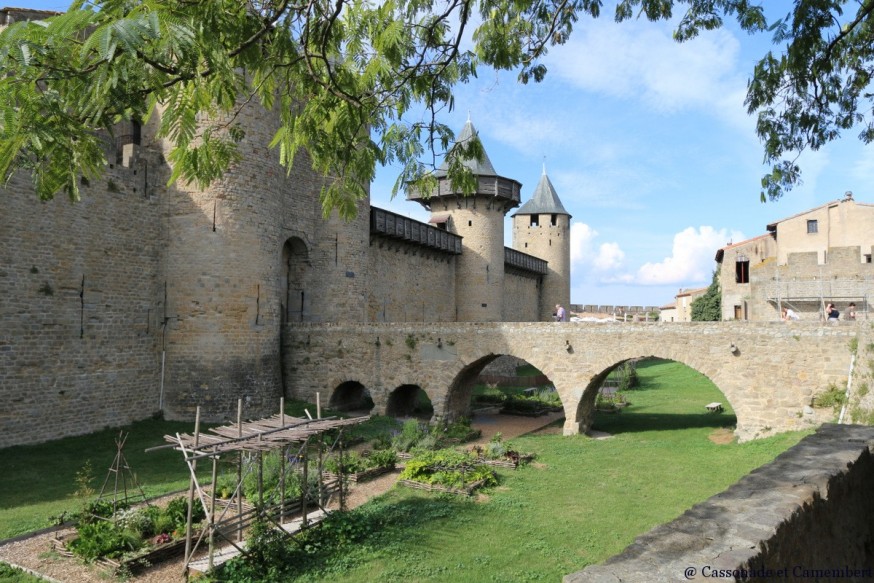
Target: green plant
<point x="177" y="512"/>
<point x="628" y="378"/>
<point x="449" y="468"/>
<point x="10" y="574"/>
<point x="46" y="289"/>
<point x="863" y="390"/>
<point x="103" y="538"/>
<point x="412" y="431"/>
<point x="831" y="397"/>
<point x="854" y="345"/>
<point x="410" y="341"/>
<point x="382" y="458"/>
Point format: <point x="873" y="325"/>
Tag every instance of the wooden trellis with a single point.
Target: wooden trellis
<point x="227" y="519"/>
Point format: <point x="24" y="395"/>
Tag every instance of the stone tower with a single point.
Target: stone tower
<point x="542" y="228"/>
<point x="479" y="219"/>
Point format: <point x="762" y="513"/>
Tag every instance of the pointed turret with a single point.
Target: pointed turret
<point x="479" y="219"/>
<point x="541" y="227"/>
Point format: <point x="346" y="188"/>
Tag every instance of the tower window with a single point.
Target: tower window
<point x="812" y="226"/>
<point x="469" y="223"/>
<point x="554" y="219"/>
<point x="534" y="222"/>
<point x="742" y="270"/>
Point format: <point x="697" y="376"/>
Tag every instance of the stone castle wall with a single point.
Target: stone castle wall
<point x="80" y="306"/>
<point x="409" y="283"/>
<point x="522" y="296"/>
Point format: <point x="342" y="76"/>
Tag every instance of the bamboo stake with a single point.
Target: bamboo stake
<point x="191" y="494"/>
<point x="240" y="472"/>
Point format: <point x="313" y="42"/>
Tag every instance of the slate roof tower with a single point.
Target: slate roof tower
<point x="479" y="219"/>
<point x="542" y="228"/>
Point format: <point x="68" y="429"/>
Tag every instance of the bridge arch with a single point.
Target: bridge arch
<point x="461" y="388"/>
<point x="583" y="411"/>
<point x="587" y="405"/>
<point x="350" y="396"/>
<point x="407" y="400"/>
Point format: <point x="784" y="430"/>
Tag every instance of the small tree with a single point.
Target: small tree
<point x="708" y="308"/>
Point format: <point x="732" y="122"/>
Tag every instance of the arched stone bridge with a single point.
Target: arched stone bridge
<point x="768" y="372"/>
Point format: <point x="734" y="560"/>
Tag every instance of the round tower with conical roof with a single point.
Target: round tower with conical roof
<point x="542" y="228"/>
<point x="479" y="219"/>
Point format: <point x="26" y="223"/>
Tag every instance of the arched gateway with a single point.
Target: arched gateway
<point x="768" y="372"/>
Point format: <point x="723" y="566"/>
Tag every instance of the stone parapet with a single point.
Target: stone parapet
<point x="806" y="516"/>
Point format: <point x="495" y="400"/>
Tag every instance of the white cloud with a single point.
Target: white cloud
<point x="587" y="254"/>
<point x="642" y="61"/>
<point x="691" y="260"/>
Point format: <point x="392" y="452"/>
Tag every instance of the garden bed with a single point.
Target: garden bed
<point x="467" y="490"/>
<point x="142" y="560"/>
<point x="364" y="475"/>
<point x="508" y="463"/>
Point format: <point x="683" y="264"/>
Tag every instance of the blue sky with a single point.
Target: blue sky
<point x="649" y="146"/>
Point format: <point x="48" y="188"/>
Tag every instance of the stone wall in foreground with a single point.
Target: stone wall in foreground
<point x="806" y="516"/>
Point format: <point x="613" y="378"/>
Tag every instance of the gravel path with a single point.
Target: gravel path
<point x="37" y="555"/>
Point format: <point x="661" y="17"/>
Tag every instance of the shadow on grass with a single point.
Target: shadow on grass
<point x="46" y="472"/>
<point x="629" y="422"/>
<point x="345" y="540"/>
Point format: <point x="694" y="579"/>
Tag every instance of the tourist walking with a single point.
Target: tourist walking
<point x="832" y="314"/>
<point x="560" y="313"/>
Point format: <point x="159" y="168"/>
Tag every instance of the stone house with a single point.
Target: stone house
<point x="683" y="303"/>
<point x="803" y="262"/>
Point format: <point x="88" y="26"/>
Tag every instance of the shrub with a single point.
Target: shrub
<point x="832" y="397"/>
<point x="628" y="378"/>
<point x="411" y="433"/>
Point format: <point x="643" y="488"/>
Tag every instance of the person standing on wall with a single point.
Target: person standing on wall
<point x="851" y="311"/>
<point x="560" y="313"/>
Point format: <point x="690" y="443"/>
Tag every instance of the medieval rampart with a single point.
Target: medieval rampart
<point x="80" y="310"/>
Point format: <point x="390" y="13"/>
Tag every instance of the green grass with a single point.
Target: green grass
<point x="583" y="500"/>
<point x="38" y="482"/>
<point x="9" y="574"/>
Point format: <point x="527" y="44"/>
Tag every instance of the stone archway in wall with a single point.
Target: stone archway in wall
<point x="409" y="401"/>
<point x="295" y="281"/>
<point x="459" y="397"/>
<point x="351" y="396"/>
<point x="585" y="411"/>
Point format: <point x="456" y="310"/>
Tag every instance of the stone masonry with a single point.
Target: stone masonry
<point x="789" y="520"/>
<point x="768" y="372"/>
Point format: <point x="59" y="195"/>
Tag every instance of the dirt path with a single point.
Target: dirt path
<point x="36" y="553"/>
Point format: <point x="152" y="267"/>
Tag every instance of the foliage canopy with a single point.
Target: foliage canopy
<point x="708" y="307"/>
<point x="345" y="77"/>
